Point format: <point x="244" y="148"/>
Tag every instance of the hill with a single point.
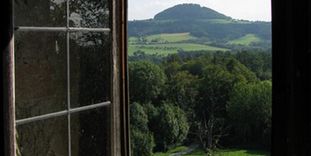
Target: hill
<point x="189" y="12"/>
<point x="203" y="23"/>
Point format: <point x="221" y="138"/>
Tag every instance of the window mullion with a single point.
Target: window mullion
<point x="60" y="29"/>
<point x="68" y="78"/>
<point x="62" y="113"/>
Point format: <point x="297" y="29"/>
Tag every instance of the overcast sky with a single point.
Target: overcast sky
<point x="238" y="9"/>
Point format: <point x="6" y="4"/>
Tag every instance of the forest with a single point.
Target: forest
<point x="207" y="100"/>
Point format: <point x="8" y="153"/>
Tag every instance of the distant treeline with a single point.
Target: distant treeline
<point x="201" y="28"/>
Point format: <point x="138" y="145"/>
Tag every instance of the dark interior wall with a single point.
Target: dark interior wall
<point x="291" y="77"/>
<point x="6" y="33"/>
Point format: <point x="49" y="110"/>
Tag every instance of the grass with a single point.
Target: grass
<point x="132" y="40"/>
<point x="164" y="44"/>
<point x="164" y="38"/>
<point x="222" y="152"/>
<point x="171" y="151"/>
<point x="172" y="38"/>
<point x="245" y="40"/>
<point x="240" y="152"/>
<point x="170" y="48"/>
<point x="230" y="152"/>
<point x="197" y="152"/>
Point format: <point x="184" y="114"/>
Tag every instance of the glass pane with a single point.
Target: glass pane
<point x="90" y="73"/>
<point x="43" y="138"/>
<point x="40" y="73"/>
<point x="89" y="13"/>
<point x="90" y="132"/>
<point x="40" y="12"/>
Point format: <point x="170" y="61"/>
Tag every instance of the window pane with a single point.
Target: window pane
<point x="90" y="133"/>
<point x="90" y="73"/>
<point x="89" y="13"/>
<point x="43" y="138"/>
<point x="40" y="73"/>
<point x="40" y="12"/>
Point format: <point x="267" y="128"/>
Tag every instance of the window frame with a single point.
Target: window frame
<point x="287" y="115"/>
<point x="119" y="100"/>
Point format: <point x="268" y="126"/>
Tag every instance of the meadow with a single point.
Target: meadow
<point x="245" y="40"/>
<point x="164" y="44"/>
<point x="165" y="49"/>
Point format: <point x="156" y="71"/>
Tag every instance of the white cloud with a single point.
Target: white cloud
<point x="238" y="9"/>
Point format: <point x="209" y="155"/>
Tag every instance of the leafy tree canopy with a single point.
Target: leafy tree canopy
<point x="147" y="80"/>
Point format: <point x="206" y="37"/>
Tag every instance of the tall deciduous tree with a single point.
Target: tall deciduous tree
<point x="183" y="90"/>
<point x="250" y="111"/>
<point x="172" y="126"/>
<point x="142" y="140"/>
<point x="147" y="80"/>
<point x="210" y="109"/>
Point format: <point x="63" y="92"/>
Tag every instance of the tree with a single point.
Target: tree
<point x="195" y="67"/>
<point x="147" y="80"/>
<point x="239" y="71"/>
<point x="171" y="128"/>
<point x="142" y="141"/>
<point x="214" y="89"/>
<point x="183" y="90"/>
<point x="172" y="65"/>
<point x="257" y="61"/>
<point x="249" y="109"/>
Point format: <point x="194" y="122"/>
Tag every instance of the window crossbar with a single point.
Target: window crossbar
<point x="61" y="113"/>
<point x="61" y="29"/>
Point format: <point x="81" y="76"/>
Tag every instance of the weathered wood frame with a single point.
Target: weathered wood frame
<point x="120" y="120"/>
<point x="120" y="108"/>
<point x="7" y="79"/>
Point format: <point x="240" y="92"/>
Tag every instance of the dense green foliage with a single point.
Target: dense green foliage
<point x="216" y="99"/>
<point x="147" y="81"/>
<point x="142" y="141"/>
<point x="170" y="126"/>
<point x="250" y="111"/>
<point x="258" y="62"/>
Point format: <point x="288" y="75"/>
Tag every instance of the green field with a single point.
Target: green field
<point x="164" y="44"/>
<point x="172" y="38"/>
<point x="171" y="48"/>
<point x="164" y="38"/>
<point x="246" y="40"/>
<point x="132" y="40"/>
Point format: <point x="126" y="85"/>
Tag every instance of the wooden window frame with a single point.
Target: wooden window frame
<point x="291" y="126"/>
<point x="119" y="116"/>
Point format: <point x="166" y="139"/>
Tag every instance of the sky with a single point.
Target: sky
<point x="253" y="10"/>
